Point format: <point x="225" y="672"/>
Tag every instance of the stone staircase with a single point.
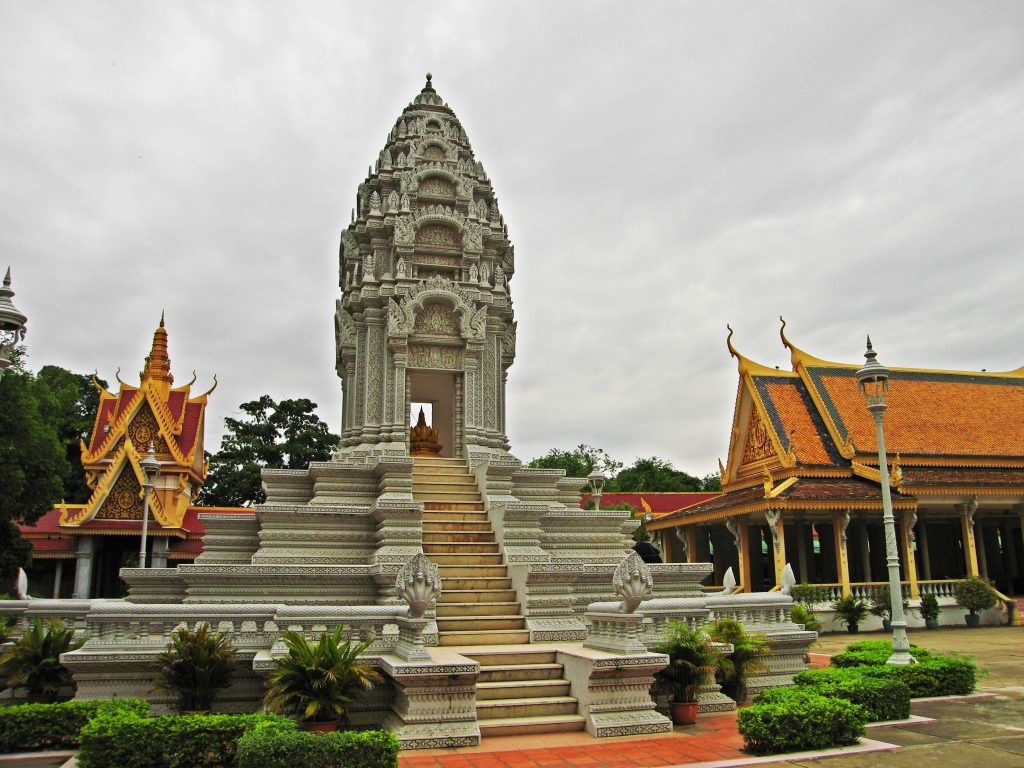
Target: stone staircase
<point x="520" y="690"/>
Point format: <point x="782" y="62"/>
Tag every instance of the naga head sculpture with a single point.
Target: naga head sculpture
<point x="419" y="584"/>
<point x="632" y="582"/>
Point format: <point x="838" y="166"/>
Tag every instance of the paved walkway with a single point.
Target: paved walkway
<point x="984" y="732"/>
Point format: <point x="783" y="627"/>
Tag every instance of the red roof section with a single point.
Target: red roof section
<point x="659" y="502"/>
<point x="190" y="427"/>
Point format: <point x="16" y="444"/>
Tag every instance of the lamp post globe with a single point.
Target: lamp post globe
<point x="873" y="380"/>
<point x="12" y="324"/>
<point x="151" y="468"/>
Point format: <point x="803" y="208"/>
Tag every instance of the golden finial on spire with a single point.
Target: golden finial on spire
<point x="158" y="363"/>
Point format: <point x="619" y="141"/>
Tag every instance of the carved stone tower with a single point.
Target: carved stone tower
<point x="425" y="313"/>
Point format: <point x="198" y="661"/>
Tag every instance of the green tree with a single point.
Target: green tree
<point x="711" y="483"/>
<point x="75" y="400"/>
<point x="579" y="462"/>
<point x="285" y="435"/>
<point x="33" y="465"/>
<point x="653" y="475"/>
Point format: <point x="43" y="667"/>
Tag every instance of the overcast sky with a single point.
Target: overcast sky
<point x="663" y="168"/>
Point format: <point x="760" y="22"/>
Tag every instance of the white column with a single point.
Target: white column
<point x="58" y="574"/>
<point x="83" y="567"/>
<point x="158" y="558"/>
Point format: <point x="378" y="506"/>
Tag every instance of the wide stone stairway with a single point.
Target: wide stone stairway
<point x="520" y="689"/>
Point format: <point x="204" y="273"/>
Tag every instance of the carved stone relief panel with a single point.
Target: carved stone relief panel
<point x="437" y="236"/>
<point x="433" y="152"/>
<point x="490" y="383"/>
<point x="430" y="356"/>
<point x="437" y="186"/>
<point x="436" y="319"/>
<point x="375" y="373"/>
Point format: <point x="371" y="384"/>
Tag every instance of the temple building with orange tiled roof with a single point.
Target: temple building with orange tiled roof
<point x="802" y="483"/>
<point x="103" y="534"/>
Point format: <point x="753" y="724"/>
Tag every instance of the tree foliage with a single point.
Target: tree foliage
<point x="74" y="402"/>
<point x="653" y="474"/>
<point x="285" y="435"/>
<point x="578" y="462"/>
<point x="33" y="464"/>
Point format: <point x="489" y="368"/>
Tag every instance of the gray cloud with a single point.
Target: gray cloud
<point x="664" y="168"/>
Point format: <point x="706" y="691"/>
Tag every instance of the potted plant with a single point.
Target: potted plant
<point x="691" y="660"/>
<point x="975" y="594"/>
<point x="881" y="605"/>
<point x="929" y="610"/>
<point x="749" y="651"/>
<point x="850" y="611"/>
<point x="318" y="681"/>
<point x="196" y="665"/>
<point x="33" y="662"/>
<point x="801" y="614"/>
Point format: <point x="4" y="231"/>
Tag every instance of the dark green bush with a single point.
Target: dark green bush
<point x="884" y="648"/>
<point x="883" y="698"/>
<point x="270" y="748"/>
<point x="937" y="676"/>
<point x="794" y="719"/>
<point x="37" y="727"/>
<point x="186" y="741"/>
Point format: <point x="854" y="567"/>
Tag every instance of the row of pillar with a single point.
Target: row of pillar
<point x="737" y="544"/>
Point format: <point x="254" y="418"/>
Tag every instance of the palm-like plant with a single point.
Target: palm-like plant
<point x="196" y="665"/>
<point x="33" y="662"/>
<point x="691" y="661"/>
<point x="319" y="681"/>
<point x="749" y="651"/>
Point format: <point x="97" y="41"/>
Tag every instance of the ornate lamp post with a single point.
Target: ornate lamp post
<point x="597" y="480"/>
<point x="873" y="380"/>
<point x="12" y="324"/>
<point x="152" y="469"/>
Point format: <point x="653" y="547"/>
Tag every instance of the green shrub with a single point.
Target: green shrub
<point x="811" y="594"/>
<point x="883" y="698"/>
<point x="174" y="741"/>
<point x="196" y="665"/>
<point x="33" y="662"/>
<point x="269" y="748"/>
<point x="37" y="727"/>
<point x="880" y="650"/>
<point x="801" y="614"/>
<point x="794" y="719"/>
<point x="975" y="594"/>
<point x="937" y="676"/>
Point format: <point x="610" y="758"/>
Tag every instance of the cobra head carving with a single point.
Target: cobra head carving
<point x="632" y="582"/>
<point x="419" y="584"/>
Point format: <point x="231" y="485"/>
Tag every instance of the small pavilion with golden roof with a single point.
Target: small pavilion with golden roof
<point x="103" y="534"/>
<point x="801" y="484"/>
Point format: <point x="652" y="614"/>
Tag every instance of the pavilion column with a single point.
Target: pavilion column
<point x="907" y="522"/>
<point x="979" y="543"/>
<point x="967" y="510"/>
<point x="58" y="574"/>
<point x="158" y="557"/>
<point x="83" y="567"/>
<point x="801" y="548"/>
<point x="1010" y="548"/>
<point x="775" y="524"/>
<point x="840" y="522"/>
<point x="740" y="530"/>
<point x="1020" y="512"/>
<point x="922" y="548"/>
<point x="691" y="544"/>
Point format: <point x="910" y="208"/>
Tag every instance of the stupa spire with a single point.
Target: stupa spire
<point x="158" y="363"/>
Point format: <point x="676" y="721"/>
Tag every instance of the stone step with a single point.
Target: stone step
<point x="473" y="596"/>
<point x="503" y="657"/>
<point x="485" y="637"/>
<point x="457" y="537"/>
<point x="455" y="515"/>
<point x="460" y="548"/>
<point x="443" y="483"/>
<point x="469" y="526"/>
<point x="521" y="689"/>
<point x="479" y="608"/>
<point x="448" y="497"/>
<point x="509" y="672"/>
<point x="474" y="572"/>
<point x="521" y="726"/>
<point x="481" y="584"/>
<point x="447" y="624"/>
<point x="439" y="471"/>
<point x="540" y="706"/>
<point x="438" y="461"/>
<point x="466" y="560"/>
<point x="453" y="506"/>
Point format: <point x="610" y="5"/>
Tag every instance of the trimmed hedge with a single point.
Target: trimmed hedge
<point x="172" y="741"/>
<point x="796" y="719"/>
<point x="883" y="698"/>
<point x="884" y="648"/>
<point x="38" y="727"/>
<point x="937" y="676"/>
<point x="266" y="748"/>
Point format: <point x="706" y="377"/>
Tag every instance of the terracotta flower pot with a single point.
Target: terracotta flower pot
<point x="684" y="712"/>
<point x="321" y="727"/>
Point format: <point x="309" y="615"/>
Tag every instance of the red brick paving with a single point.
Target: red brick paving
<point x="713" y="738"/>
